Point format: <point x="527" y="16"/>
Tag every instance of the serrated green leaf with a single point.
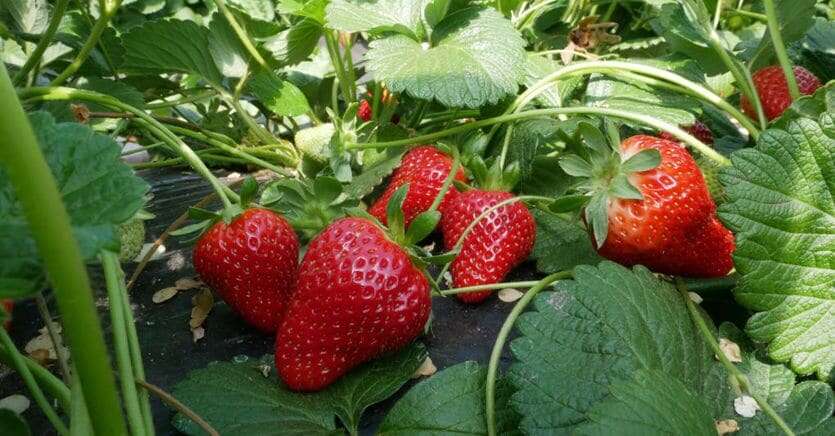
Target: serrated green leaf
<point x="313" y="9"/>
<point x="99" y="192"/>
<point x="807" y="410"/>
<point x="809" y="106"/>
<point x="402" y="16"/>
<point x="258" y="9"/>
<point x="279" y="96"/>
<point x="650" y="403"/>
<point x="435" y="11"/>
<point x="364" y="183"/>
<point x="537" y="67"/>
<point x="561" y="244"/>
<point x="229" y="54"/>
<point x="170" y="45"/>
<point x="28" y="16"/>
<point x="782" y="211"/>
<point x="817" y="48"/>
<point x="596" y="331"/>
<point x="450" y="402"/>
<point x="295" y="44"/>
<point x="237" y="398"/>
<point x="685" y="26"/>
<point x="529" y="139"/>
<point x="476" y="57"/>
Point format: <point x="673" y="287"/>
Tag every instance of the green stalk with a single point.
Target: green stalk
<point x="186" y="99"/>
<point x="43" y="310"/>
<point x="107" y="11"/>
<point x="734" y="372"/>
<point x="136" y="360"/>
<point x="43" y="43"/>
<point x="495" y="355"/>
<point x="37" y="394"/>
<point x="113" y="278"/>
<point x="742" y="77"/>
<point x="759" y="17"/>
<point x="780" y="48"/>
<point x="63" y="93"/>
<point x="79" y="418"/>
<point x="241" y="33"/>
<point x="336" y="59"/>
<point x="46" y="380"/>
<point x="631" y="116"/>
<point x="349" y="66"/>
<point x="488" y="287"/>
<point x="436" y="203"/>
<point x="44" y="209"/>
<point x="717" y="14"/>
<point x="234" y="151"/>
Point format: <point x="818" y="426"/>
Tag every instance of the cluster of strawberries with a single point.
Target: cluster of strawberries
<point x="358" y="294"/>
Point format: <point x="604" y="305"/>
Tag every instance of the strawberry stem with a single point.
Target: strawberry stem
<point x="495" y="355"/>
<point x="106" y="12"/>
<point x="456" y="163"/>
<point x="488" y="287"/>
<point x="241" y="33"/>
<point x="780" y="48"/>
<point x="46" y="39"/>
<point x="738" y="376"/>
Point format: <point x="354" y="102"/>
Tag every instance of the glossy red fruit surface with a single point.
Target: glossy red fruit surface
<point x="359" y="296"/>
<point x="674" y="229"/>
<point x="774" y="91"/>
<point x="697" y="129"/>
<point x="496" y="245"/>
<point x="424" y="168"/>
<point x="252" y="265"/>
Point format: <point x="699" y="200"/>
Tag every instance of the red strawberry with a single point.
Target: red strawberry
<point x="359" y="296"/>
<point x="774" y="91"/>
<point x="674" y="229"/>
<point x="364" y="111"/>
<point x="697" y="129"/>
<point x="251" y="263"/>
<point x="496" y="245"/>
<point x="424" y="168"/>
<point x="8" y="305"/>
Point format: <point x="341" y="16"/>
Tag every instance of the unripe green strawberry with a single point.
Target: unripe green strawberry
<point x="313" y="141"/>
<point x="131" y="238"/>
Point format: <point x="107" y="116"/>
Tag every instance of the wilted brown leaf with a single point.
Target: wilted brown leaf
<point x="164" y="294"/>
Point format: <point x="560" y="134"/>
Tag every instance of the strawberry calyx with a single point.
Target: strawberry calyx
<point x="206" y="218"/>
<point x="494" y="177"/>
<point x="309" y="206"/>
<point x="603" y="175"/>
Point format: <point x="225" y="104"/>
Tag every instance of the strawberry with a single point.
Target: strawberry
<point x="774" y="91"/>
<point x="650" y="205"/>
<point x="251" y="263"/>
<point x="8" y="305"/>
<point x="364" y="111"/>
<point x="697" y="129"/>
<point x="497" y="243"/>
<point x="424" y="168"/>
<point x="359" y="296"/>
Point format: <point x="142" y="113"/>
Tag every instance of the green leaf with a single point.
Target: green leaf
<point x="28" y="16"/>
<point x="229" y="54"/>
<point x="476" y="57"/>
<point x="12" y="424"/>
<point x="561" y="244"/>
<point x="170" y="45"/>
<point x="435" y="11"/>
<point x="782" y="211"/>
<point x="450" y="402"/>
<point x="816" y="48"/>
<point x="794" y="18"/>
<point x="583" y="345"/>
<point x="258" y="9"/>
<point x="537" y="67"/>
<point x="279" y="96"/>
<point x="685" y="25"/>
<point x="529" y="139"/>
<point x="672" y="107"/>
<point x="238" y="398"/>
<point x="402" y="16"/>
<point x="809" y="106"/>
<point x="99" y="192"/>
<point x="364" y="183"/>
<point x="295" y="44"/>
<point x="650" y="403"/>
<point x="644" y="160"/>
<point x="569" y="203"/>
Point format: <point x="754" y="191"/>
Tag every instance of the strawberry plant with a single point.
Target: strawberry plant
<point x="417" y="217"/>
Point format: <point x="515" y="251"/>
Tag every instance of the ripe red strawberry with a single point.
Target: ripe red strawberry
<point x="252" y="264"/>
<point x="364" y="111"/>
<point x="674" y="229"/>
<point x="774" y="91"/>
<point x="359" y="296"/>
<point x="697" y="129"/>
<point x="8" y="305"/>
<point x="497" y="243"/>
<point x="424" y="168"/>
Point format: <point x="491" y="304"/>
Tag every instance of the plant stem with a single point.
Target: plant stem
<point x="136" y="357"/>
<point x="180" y="407"/>
<point x="37" y="394"/>
<point x="241" y="33"/>
<point x="44" y="208"/>
<point x="489" y="287"/>
<point x="631" y="116"/>
<point x="63" y="93"/>
<point x="734" y="372"/>
<point x="43" y="43"/>
<point x="186" y="99"/>
<point x="495" y="355"/>
<point x="105" y="14"/>
<point x="780" y="48"/>
<point x="456" y="164"/>
<point x="749" y="14"/>
<point x="349" y="65"/>
<point x="717" y="14"/>
<point x="234" y="151"/>
<point x="79" y="416"/>
<point x="336" y="59"/>
<point x="742" y="77"/>
<point x="43" y="309"/>
<point x="52" y="384"/>
<point x="113" y="278"/>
